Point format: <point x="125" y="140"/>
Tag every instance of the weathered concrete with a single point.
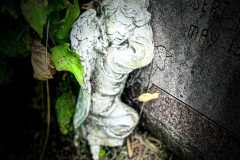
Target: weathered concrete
<point x="196" y="69"/>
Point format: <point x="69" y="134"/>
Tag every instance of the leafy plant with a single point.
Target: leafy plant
<point x="35" y="13"/>
<point x="102" y="153"/>
<point x="66" y="60"/>
<point x="65" y="24"/>
<point x="48" y="22"/>
<point x="65" y="106"/>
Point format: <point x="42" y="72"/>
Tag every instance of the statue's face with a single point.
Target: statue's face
<point x="118" y="27"/>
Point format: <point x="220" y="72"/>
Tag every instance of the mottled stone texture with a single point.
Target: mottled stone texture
<point x="196" y="69"/>
<point x="187" y="132"/>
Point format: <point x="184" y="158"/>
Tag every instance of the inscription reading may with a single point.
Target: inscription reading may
<point x="201" y="35"/>
<point x="218" y="14"/>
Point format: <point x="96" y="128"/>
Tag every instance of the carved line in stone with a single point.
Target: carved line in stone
<point x="161" y="55"/>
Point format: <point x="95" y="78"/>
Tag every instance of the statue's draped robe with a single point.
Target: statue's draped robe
<point x="105" y="76"/>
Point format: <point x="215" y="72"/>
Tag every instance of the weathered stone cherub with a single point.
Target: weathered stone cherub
<point x="111" y="44"/>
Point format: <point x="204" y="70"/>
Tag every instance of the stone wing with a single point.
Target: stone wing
<point x="83" y="35"/>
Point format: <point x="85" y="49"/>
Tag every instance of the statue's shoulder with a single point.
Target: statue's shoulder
<point x="87" y="18"/>
<point x="143" y="31"/>
<point x="86" y="26"/>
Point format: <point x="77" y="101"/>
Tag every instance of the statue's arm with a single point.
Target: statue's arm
<point x="138" y="52"/>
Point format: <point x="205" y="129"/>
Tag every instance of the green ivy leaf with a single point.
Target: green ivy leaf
<point x="102" y="153"/>
<point x="35" y="12"/>
<point x="65" y="107"/>
<point x="65" y="25"/>
<point x="66" y="60"/>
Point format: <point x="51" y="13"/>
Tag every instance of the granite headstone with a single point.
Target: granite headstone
<point x="196" y="70"/>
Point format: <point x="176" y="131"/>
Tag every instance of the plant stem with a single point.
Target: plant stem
<point x="48" y="102"/>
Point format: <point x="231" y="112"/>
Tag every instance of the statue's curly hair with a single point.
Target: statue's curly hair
<point x="135" y="9"/>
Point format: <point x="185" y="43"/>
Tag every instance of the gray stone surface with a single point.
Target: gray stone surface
<point x="196" y="70"/>
<point x="202" y="67"/>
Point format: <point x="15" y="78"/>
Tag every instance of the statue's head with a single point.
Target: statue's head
<point x="134" y="9"/>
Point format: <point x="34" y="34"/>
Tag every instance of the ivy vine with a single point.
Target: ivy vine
<point x="35" y="28"/>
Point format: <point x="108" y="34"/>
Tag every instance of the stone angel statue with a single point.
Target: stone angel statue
<point x="111" y="44"/>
